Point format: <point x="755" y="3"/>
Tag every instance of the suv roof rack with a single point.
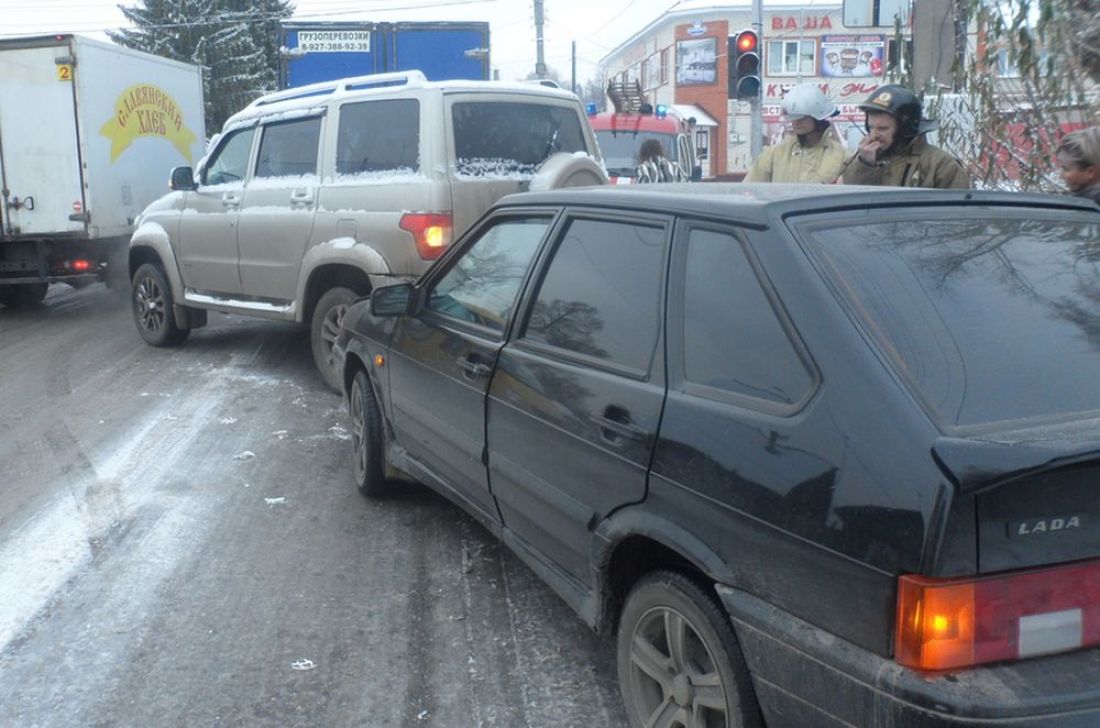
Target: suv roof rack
<point x="355" y="83"/>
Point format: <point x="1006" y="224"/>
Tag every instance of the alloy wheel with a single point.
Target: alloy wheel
<point x="150" y="304"/>
<point x="676" y="681"/>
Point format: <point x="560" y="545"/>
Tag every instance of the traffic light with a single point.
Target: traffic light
<point x="744" y="65"/>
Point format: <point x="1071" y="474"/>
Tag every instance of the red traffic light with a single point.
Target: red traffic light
<point x="746" y="41"/>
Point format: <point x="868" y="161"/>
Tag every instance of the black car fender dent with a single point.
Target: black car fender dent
<point x="632" y="542"/>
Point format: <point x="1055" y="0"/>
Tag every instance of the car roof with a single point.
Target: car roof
<point x="761" y="202"/>
<point x="387" y="84"/>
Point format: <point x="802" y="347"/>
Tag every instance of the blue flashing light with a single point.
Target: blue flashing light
<point x="590" y="108"/>
<point x="661" y="111"/>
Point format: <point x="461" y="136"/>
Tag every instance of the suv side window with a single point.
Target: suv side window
<point x="733" y="338"/>
<point x="601" y="296"/>
<point x="230" y="162"/>
<point x="289" y="148"/>
<point x="379" y="136"/>
<point x="510" y="137"/>
<point x="482" y="285"/>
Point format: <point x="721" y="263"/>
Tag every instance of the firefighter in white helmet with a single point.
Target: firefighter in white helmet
<point x="810" y="154"/>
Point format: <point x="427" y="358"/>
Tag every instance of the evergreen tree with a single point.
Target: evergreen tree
<point x="235" y="42"/>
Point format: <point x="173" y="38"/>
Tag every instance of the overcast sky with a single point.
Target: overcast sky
<point x="597" y="26"/>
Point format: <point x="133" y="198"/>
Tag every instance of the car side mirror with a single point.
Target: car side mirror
<point x="183" y="178"/>
<point x="393" y="300"/>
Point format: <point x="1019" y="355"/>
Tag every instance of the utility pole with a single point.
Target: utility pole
<point x="756" y="123"/>
<point x="573" y="80"/>
<point x="540" y="57"/>
<point x="934" y="43"/>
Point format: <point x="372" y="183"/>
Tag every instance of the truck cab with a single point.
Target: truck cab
<point x="621" y="132"/>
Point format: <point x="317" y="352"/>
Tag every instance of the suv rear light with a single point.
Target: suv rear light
<point x="431" y="230"/>
<point x="951" y="623"/>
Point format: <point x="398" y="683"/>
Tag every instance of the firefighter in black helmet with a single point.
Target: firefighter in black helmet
<point x="895" y="152"/>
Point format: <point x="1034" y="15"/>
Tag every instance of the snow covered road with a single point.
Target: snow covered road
<point x="181" y="544"/>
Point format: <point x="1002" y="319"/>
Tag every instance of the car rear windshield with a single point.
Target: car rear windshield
<point x="511" y="139"/>
<point x="992" y="314"/>
<point x="620" y="149"/>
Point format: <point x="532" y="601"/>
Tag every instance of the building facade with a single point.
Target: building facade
<point x="681" y="58"/>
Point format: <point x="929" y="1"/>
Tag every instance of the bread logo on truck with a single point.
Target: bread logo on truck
<point x="145" y="110"/>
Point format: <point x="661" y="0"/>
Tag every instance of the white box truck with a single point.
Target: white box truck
<point x="89" y="134"/>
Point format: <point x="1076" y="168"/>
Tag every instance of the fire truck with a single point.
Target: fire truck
<point x="620" y="133"/>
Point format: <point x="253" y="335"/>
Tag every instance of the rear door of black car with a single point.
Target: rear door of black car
<point x="576" y="399"/>
<point x="442" y="356"/>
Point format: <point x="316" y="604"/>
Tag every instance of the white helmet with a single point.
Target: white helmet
<point x="806" y="99"/>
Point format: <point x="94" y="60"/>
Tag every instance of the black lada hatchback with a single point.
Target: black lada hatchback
<point x="817" y="455"/>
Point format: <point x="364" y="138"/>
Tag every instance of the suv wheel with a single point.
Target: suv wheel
<point x="152" y="303"/>
<point x="679" y="661"/>
<point x="366" y="437"/>
<point x="323" y="330"/>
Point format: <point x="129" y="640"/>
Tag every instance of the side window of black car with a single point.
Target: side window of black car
<point x="230" y="161"/>
<point x="601" y="294"/>
<point x="482" y="284"/>
<point x="733" y="339"/>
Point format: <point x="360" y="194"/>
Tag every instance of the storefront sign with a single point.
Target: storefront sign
<point x="696" y="62"/>
<point x="852" y="56"/>
<point x="773" y="113"/>
<point x="837" y="91"/>
<point x="801" y="22"/>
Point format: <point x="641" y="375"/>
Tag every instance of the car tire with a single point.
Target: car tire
<point x="366" y="437"/>
<point x="697" y="682"/>
<point x="151" y="299"/>
<point x="23" y="294"/>
<point x="324" y="327"/>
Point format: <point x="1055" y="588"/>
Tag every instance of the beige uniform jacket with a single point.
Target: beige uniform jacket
<point x="789" y="161"/>
<point x="918" y="165"/>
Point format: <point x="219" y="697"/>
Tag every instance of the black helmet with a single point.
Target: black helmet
<point x="902" y="104"/>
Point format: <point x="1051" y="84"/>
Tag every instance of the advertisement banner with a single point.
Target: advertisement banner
<point x="852" y="56"/>
<point x="696" y="62"/>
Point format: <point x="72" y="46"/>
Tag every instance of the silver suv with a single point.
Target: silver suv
<point x="312" y="196"/>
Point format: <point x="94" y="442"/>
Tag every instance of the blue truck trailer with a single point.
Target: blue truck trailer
<point x="314" y="52"/>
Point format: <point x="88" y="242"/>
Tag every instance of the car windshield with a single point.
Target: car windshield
<point x="992" y="317"/>
<point x="511" y="139"/>
<point x="620" y="149"/>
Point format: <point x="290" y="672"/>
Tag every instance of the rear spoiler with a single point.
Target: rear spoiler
<point x="979" y="465"/>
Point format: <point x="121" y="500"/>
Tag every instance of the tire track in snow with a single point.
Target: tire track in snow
<point x="55" y="544"/>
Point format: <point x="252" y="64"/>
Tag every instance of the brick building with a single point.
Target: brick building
<point x="680" y="58"/>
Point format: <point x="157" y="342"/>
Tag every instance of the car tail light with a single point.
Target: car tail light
<point x="431" y="230"/>
<point x="81" y="265"/>
<point x="951" y="623"/>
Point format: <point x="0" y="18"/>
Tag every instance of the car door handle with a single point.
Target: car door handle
<point x="623" y="429"/>
<point x="231" y="199"/>
<point x="303" y="196"/>
<point x="474" y="368"/>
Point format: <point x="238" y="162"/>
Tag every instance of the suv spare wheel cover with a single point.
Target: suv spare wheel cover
<point x="564" y="169"/>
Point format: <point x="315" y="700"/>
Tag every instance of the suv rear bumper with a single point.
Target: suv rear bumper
<point x="804" y="675"/>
